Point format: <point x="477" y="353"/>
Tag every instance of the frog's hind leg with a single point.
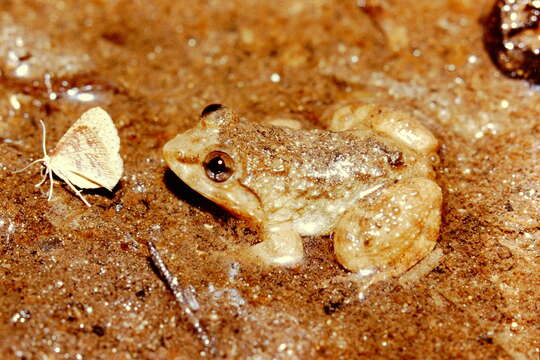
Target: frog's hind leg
<point x="393" y="123"/>
<point x="285" y="123"/>
<point x="392" y="230"/>
<point x="282" y="245"/>
<point x="350" y="116"/>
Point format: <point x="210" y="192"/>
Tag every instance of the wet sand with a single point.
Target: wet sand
<point x="77" y="282"/>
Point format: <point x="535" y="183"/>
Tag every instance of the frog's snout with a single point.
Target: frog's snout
<point x="171" y="150"/>
<point x="179" y="151"/>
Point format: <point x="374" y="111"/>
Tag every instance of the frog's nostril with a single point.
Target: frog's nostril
<point x="210" y="109"/>
<point x="181" y="156"/>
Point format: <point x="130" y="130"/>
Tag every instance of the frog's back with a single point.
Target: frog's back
<point x="312" y="176"/>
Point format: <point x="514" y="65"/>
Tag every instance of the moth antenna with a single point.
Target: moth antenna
<point x="44" y="137"/>
<point x="43" y="159"/>
<point x="77" y="191"/>
<point x="27" y="166"/>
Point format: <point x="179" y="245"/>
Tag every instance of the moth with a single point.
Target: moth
<point x="86" y="157"/>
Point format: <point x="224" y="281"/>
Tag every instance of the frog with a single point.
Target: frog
<point x="366" y="181"/>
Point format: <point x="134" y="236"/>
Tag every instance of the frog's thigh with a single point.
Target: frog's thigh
<point x="393" y="231"/>
<point x="282" y="245"/>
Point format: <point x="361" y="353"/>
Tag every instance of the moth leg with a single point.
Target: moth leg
<point x="77" y="191"/>
<point x="52" y="183"/>
<point x="43" y="179"/>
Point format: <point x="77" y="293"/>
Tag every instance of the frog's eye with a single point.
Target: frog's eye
<point x="219" y="166"/>
<point x="210" y="109"/>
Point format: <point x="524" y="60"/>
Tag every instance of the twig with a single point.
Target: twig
<point x="180" y="296"/>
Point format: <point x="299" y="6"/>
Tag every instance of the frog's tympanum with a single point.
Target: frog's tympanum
<point x="368" y="182"/>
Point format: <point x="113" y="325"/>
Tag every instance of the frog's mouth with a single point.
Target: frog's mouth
<point x="184" y="159"/>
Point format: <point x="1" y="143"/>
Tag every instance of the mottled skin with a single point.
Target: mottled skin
<point x="306" y="182"/>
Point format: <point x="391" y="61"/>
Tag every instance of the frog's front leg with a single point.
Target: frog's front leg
<point x="390" y="231"/>
<point x="281" y="245"/>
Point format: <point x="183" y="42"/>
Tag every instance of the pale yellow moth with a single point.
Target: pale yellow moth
<point x="87" y="156"/>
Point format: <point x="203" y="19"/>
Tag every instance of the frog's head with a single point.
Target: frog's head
<point x="211" y="165"/>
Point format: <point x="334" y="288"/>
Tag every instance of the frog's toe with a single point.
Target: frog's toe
<point x="282" y="245"/>
<point x="391" y="232"/>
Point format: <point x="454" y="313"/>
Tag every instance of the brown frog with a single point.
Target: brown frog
<point x="368" y="181"/>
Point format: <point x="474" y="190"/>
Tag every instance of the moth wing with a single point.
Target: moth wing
<point x="87" y="155"/>
<point x="91" y="167"/>
<point x="102" y="125"/>
<point x="77" y="180"/>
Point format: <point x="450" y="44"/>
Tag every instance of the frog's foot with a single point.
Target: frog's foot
<point x="389" y="232"/>
<point x="282" y="245"/>
<point x="398" y="125"/>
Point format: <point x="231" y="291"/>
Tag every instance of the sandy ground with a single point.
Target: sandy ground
<point x="77" y="282"/>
